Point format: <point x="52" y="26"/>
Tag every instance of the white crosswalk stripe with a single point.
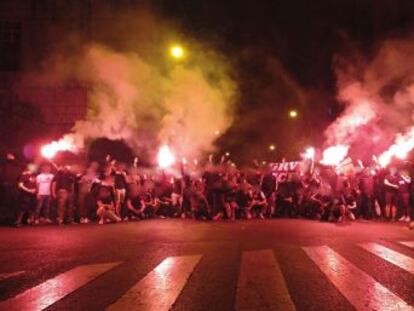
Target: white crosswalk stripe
<point x="7" y="275"/>
<point x="361" y="290"/>
<point x="47" y="293"/>
<point x="159" y="289"/>
<point x="409" y="244"/>
<point x="261" y="284"/>
<point x="404" y="262"/>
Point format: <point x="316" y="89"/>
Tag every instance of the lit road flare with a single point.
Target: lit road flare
<point x="165" y="157"/>
<point x="400" y="149"/>
<point x="49" y="151"/>
<point x="334" y="155"/>
<point x="309" y="153"/>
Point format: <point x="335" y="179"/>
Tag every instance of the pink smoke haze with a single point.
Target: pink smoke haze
<point x="334" y="155"/>
<point x="359" y="111"/>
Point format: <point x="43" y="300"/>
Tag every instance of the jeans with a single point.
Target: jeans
<point x="43" y="201"/>
<point x="64" y="205"/>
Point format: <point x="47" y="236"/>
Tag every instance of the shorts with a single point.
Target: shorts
<point x="27" y="202"/>
<point x="391" y="198"/>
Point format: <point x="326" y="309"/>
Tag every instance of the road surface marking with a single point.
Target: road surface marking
<point x="159" y="289"/>
<point x="404" y="262"/>
<point x="361" y="290"/>
<point x="261" y="284"/>
<point x="47" y="293"/>
<point x="409" y="244"/>
<point x="8" y="275"/>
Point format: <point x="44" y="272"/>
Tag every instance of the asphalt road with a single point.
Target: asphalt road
<point x="185" y="265"/>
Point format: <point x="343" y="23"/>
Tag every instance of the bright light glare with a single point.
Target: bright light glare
<point x="293" y="114"/>
<point x="334" y="155"/>
<point x="165" y="157"/>
<point x="49" y="151"/>
<point x="272" y="147"/>
<point x="177" y="52"/>
<point x="309" y="153"/>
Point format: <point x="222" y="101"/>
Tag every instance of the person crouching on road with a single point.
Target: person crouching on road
<point x="135" y="203"/>
<point x="106" y="205"/>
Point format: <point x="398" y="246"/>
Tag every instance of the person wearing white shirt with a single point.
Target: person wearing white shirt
<point x="44" y="194"/>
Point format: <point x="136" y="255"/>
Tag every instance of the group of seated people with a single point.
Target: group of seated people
<point x="114" y="192"/>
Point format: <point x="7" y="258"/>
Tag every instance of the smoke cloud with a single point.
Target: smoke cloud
<point x="378" y="98"/>
<point x="141" y="96"/>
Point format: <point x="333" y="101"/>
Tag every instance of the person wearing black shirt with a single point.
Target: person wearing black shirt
<point x="391" y="194"/>
<point x="10" y="170"/>
<point x="63" y="191"/>
<point x="135" y="203"/>
<point x="27" y="195"/>
<point x="366" y="188"/>
<point x="404" y="184"/>
<point x="268" y="186"/>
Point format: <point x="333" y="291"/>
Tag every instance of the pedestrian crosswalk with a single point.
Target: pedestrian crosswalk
<point x="160" y="288"/>
<point x="7" y="275"/>
<point x="362" y="291"/>
<point x="262" y="282"/>
<point x="47" y="293"/>
<point x="396" y="258"/>
<point x="407" y="243"/>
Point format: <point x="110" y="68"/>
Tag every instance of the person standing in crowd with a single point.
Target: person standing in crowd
<point x="268" y="186"/>
<point x="10" y="172"/>
<point x="120" y="184"/>
<point x="44" y="194"/>
<point x="86" y="183"/>
<point x="285" y="195"/>
<point x="367" y="199"/>
<point x="27" y="195"/>
<point x="380" y="191"/>
<point x="63" y="191"/>
<point x="199" y="205"/>
<point x="404" y="183"/>
<point x="391" y="194"/>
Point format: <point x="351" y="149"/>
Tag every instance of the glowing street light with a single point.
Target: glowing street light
<point x="177" y="52"/>
<point x="272" y="147"/>
<point x="293" y="114"/>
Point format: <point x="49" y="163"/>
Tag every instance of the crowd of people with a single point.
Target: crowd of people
<point x="112" y="192"/>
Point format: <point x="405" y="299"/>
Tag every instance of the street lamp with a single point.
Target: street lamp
<point x="293" y="114"/>
<point x="177" y="51"/>
<point x="272" y="147"/>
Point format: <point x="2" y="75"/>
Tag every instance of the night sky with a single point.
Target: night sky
<point x="283" y="54"/>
